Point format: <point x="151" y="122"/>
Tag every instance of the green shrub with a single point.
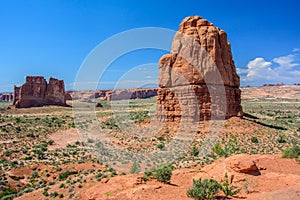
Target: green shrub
<point x="160" y="145"/>
<point x="63" y="176"/>
<point x="227" y="189"/>
<point x="194" y="151"/>
<point x="53" y="194"/>
<point x="147" y="175"/>
<point x="206" y="189"/>
<point x="8" y="197"/>
<point x="291" y="152"/>
<point x="281" y="139"/>
<point x="134" y="168"/>
<point x="162" y="173"/>
<point x="8" y="193"/>
<point x="34" y="174"/>
<point x="254" y="140"/>
<point x="229" y="148"/>
<point x="219" y="150"/>
<point x="45" y="193"/>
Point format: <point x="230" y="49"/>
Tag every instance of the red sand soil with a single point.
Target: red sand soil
<point x="279" y="179"/>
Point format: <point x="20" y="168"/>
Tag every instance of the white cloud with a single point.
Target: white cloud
<point x="279" y="69"/>
<point x="285" y="62"/>
<point x="258" y="68"/>
<point x="296" y="49"/>
<point x="258" y="63"/>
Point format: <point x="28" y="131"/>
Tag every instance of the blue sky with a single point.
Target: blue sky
<point x="53" y="38"/>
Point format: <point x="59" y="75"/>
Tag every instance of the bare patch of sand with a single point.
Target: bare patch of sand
<point x="62" y="138"/>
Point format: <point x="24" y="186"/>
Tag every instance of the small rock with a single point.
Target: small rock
<point x="242" y="165"/>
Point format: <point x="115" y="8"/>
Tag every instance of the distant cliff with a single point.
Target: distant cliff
<point x="110" y="95"/>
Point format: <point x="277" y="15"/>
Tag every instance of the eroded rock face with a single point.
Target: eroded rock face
<point x="55" y="93"/>
<point x="37" y="92"/>
<point x="198" y="79"/>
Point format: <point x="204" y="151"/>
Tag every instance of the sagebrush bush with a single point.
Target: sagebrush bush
<point x="209" y="188"/>
<point x="162" y="173"/>
<point x="227" y="189"/>
<point x="291" y="152"/>
<point x="194" y="151"/>
<point x="134" y="168"/>
<point x="206" y="189"/>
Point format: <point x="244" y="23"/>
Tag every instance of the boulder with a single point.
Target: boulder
<point x="243" y="165"/>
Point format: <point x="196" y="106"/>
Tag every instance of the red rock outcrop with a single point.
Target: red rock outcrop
<point x="6" y="97"/>
<point x="198" y="79"/>
<point x="37" y="92"/>
<point x="243" y="165"/>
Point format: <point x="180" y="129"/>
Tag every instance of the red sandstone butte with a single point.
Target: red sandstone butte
<point x="198" y="80"/>
<point x="37" y="92"/>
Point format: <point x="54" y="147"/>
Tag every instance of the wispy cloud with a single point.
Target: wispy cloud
<point x="286" y="62"/>
<point x="280" y="69"/>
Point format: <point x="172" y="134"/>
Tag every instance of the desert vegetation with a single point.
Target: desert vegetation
<point x="30" y="159"/>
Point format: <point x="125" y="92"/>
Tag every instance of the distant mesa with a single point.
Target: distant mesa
<point x="142" y="93"/>
<point x="114" y="95"/>
<point x="276" y="84"/>
<point x="36" y="92"/>
<point x="188" y="76"/>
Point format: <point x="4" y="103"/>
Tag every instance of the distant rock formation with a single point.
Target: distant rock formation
<point x="6" y="97"/>
<point x="37" y="92"/>
<point x="130" y="94"/>
<point x="270" y="84"/>
<point x="188" y="75"/>
<point x="110" y="95"/>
